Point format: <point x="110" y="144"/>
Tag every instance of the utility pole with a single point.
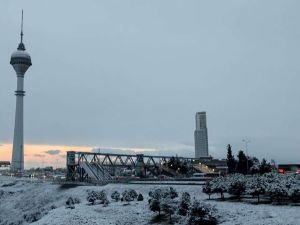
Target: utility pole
<point x="246" y="148"/>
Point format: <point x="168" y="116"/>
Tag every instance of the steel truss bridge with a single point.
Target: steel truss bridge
<point x="90" y="166"/>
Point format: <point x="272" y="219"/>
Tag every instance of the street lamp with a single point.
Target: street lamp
<point x="246" y="148"/>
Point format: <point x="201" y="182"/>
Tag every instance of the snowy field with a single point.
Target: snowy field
<point x="22" y="200"/>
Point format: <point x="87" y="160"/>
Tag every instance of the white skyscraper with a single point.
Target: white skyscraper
<point x="21" y="61"/>
<point x="201" y="138"/>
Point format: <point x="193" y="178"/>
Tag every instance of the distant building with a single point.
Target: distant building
<point x="4" y="163"/>
<point x="201" y="137"/>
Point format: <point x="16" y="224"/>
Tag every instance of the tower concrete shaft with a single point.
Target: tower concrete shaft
<point x="17" y="165"/>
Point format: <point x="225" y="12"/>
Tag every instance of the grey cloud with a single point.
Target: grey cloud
<point x="53" y="152"/>
<point x="39" y="155"/>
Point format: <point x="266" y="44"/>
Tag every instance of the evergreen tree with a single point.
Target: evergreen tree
<point x="140" y="197"/>
<point x="242" y="163"/>
<point x="265" y="167"/>
<point x="231" y="162"/>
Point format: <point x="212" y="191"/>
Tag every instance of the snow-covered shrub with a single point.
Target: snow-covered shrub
<point x="207" y="189"/>
<point x="219" y="185"/>
<point x="277" y="186"/>
<point x="115" y="196"/>
<point x="256" y="186"/>
<point x="33" y="216"/>
<point x="155" y="205"/>
<point x="236" y="184"/>
<point x="168" y="206"/>
<point x="129" y="195"/>
<point x="202" y="213"/>
<point x="140" y="197"/>
<point x="72" y="201"/>
<point x="133" y="194"/>
<point x="91" y="198"/>
<point x="184" y="204"/>
<point x="102" y="197"/>
<point x="163" y="200"/>
<point x="97" y="197"/>
<point x="156" y="194"/>
<point x="276" y="191"/>
<point x="126" y="196"/>
<point x="294" y="191"/>
<point x="173" y="193"/>
<point x="76" y="200"/>
<point x="163" y="193"/>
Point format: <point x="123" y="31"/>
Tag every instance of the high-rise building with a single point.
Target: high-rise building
<point x="21" y="61"/>
<point x="201" y="138"/>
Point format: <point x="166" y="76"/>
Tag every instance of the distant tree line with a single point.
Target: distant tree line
<point x="177" y="164"/>
<point x="272" y="187"/>
<point x="245" y="164"/>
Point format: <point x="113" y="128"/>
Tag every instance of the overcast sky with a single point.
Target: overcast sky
<point x="132" y="74"/>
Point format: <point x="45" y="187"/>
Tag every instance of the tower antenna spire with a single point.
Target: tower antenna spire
<point x="22" y="28"/>
<point x="21" y="45"/>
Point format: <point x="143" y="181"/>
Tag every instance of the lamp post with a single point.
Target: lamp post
<point x="246" y="148"/>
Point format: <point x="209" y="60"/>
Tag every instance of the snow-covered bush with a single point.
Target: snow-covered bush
<point x="97" y="197"/>
<point x="91" y="198"/>
<point x="207" y="189"/>
<point x="236" y="184"/>
<point x="272" y="185"/>
<point x="115" y="196"/>
<point x="33" y="216"/>
<point x="256" y="186"/>
<point x="126" y="196"/>
<point x="294" y="191"/>
<point x="219" y="185"/>
<point x="156" y="194"/>
<point x="184" y="204"/>
<point x="102" y="197"/>
<point x="163" y="193"/>
<point x="168" y="206"/>
<point x="277" y="190"/>
<point x="155" y="205"/>
<point x="163" y="200"/>
<point x="133" y="194"/>
<point x="173" y="193"/>
<point x="129" y="195"/>
<point x="70" y="203"/>
<point x="277" y="186"/>
<point x="201" y="213"/>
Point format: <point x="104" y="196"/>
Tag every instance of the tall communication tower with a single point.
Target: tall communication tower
<point x="21" y="61"/>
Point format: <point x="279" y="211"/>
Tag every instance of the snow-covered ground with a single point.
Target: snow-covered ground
<point x="23" y="200"/>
